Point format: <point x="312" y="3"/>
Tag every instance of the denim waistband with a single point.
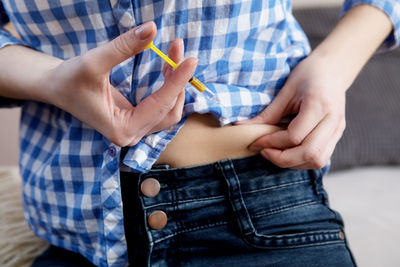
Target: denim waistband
<point x="210" y="180"/>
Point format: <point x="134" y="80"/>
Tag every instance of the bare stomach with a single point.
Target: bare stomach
<point x="202" y="140"/>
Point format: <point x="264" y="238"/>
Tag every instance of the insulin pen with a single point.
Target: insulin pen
<point x="193" y="81"/>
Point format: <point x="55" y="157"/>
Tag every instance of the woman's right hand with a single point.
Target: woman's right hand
<point x="81" y="87"/>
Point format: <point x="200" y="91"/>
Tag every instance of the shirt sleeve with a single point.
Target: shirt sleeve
<point x="391" y="8"/>
<point x="7" y="39"/>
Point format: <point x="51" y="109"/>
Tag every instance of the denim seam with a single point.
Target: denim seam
<point x="190" y="230"/>
<point x="296" y="235"/>
<point x="285" y="208"/>
<point x="260" y="239"/>
<point x="236" y="199"/>
<point x="276" y="186"/>
<point x="297" y="246"/>
<point x="182" y="202"/>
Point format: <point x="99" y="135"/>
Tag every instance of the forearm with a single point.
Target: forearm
<point x="353" y="41"/>
<point x="22" y="72"/>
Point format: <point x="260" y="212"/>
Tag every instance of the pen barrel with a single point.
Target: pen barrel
<point x="197" y="84"/>
<point x="164" y="56"/>
<point x="193" y="81"/>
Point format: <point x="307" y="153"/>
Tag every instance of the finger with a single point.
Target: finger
<point x="283" y="158"/>
<point x="175" y="53"/>
<point x="152" y="110"/>
<point x="309" y="116"/>
<point x="173" y="117"/>
<point x="275" y="111"/>
<point x="176" y="50"/>
<point x="297" y="130"/>
<point x="175" y="114"/>
<point x="176" y="81"/>
<point x="103" y="58"/>
<point x="326" y="155"/>
<point x="314" y="150"/>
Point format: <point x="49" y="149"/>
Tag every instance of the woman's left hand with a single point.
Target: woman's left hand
<point x="316" y="96"/>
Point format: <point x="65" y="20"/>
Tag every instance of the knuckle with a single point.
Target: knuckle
<point x="314" y="157"/>
<point x="119" y="138"/>
<point x="121" y="45"/>
<point x="176" y="118"/>
<point x="166" y="107"/>
<point x="133" y="141"/>
<point x="177" y="114"/>
<point x="282" y="161"/>
<point x="161" y="107"/>
<point x="283" y="164"/>
<point x="161" y="101"/>
<point x="318" y="165"/>
<point x="116" y="139"/>
<point x="294" y="137"/>
<point x="172" y="119"/>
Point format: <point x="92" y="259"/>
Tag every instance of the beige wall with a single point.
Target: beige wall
<point x="9" y="117"/>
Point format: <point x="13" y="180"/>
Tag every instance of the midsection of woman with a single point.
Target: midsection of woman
<point x="202" y="140"/>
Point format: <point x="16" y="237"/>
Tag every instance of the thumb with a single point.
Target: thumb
<point x="128" y="44"/>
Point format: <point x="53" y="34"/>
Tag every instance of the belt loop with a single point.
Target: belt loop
<point x="235" y="197"/>
<point x="316" y="178"/>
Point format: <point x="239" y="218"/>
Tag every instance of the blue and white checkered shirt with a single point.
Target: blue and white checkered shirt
<point x="70" y="172"/>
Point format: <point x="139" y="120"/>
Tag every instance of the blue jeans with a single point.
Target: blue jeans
<point x="244" y="212"/>
<point x="234" y="213"/>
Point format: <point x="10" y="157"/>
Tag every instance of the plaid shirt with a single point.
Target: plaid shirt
<point x="70" y="172"/>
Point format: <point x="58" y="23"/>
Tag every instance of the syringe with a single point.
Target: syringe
<point x="193" y="81"/>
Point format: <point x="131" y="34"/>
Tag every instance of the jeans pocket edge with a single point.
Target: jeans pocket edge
<point x="296" y="240"/>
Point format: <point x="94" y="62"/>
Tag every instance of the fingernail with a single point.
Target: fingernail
<point x="144" y="31"/>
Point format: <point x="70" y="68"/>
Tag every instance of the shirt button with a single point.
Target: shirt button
<point x="150" y="187"/>
<point x="157" y="220"/>
<point x="112" y="151"/>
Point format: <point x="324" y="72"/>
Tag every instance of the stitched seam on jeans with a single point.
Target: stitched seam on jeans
<point x="285" y="208"/>
<point x="183" y="201"/>
<point x="275" y="187"/>
<point x="298" y="235"/>
<point x="190" y="230"/>
<point x="298" y="246"/>
<point x="264" y="241"/>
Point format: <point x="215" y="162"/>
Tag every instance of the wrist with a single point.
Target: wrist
<point x="341" y="73"/>
<point x="23" y="74"/>
<point x="353" y="41"/>
<point x="48" y="85"/>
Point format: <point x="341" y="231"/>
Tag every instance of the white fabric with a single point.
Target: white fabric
<point x="369" y="201"/>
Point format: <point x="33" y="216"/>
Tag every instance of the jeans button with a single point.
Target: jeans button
<point x="157" y="220"/>
<point x="150" y="187"/>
